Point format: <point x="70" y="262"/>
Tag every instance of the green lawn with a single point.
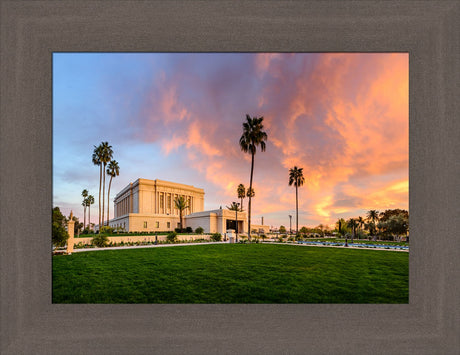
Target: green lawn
<point x="232" y="273"/>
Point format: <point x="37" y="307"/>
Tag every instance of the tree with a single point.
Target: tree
<point x="253" y="136"/>
<point x="106" y="157"/>
<point x="113" y="170"/>
<point x="102" y="154"/>
<point x="341" y="226"/>
<point x="59" y="233"/>
<point x="234" y="207"/>
<point x="84" y="193"/>
<point x="296" y="178"/>
<point x="241" y="190"/>
<point x="360" y="222"/>
<point x="282" y="229"/>
<point x="181" y="205"/>
<point x="97" y="152"/>
<point x="397" y="225"/>
<point x="353" y="224"/>
<point x="304" y="230"/>
<point x="372" y="217"/>
<point x="90" y="201"/>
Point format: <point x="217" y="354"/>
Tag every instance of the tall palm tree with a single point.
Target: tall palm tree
<point x="97" y="152"/>
<point x="106" y="157"/>
<point x="113" y="170"/>
<point x="372" y="216"/>
<point x="360" y="222"/>
<point x="181" y="205"/>
<point x="84" y="193"/>
<point x="89" y="201"/>
<point x="253" y="136"/>
<point x="241" y="190"/>
<point x="296" y="178"/>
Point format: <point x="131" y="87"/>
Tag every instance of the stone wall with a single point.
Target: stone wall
<point x="142" y="238"/>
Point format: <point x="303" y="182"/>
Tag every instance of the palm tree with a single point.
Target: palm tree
<point x="372" y="216"/>
<point x="84" y="193"/>
<point x="296" y="178"/>
<point x="113" y="170"/>
<point x="106" y="157"/>
<point x="89" y="201"/>
<point x="253" y="135"/>
<point x="241" y="190"/>
<point x="97" y="152"/>
<point x="235" y="207"/>
<point x="352" y="223"/>
<point x="181" y="205"/>
<point x="360" y="222"/>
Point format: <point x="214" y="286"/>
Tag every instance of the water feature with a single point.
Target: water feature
<point x="359" y="245"/>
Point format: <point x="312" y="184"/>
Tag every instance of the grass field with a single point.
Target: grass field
<point x="232" y="273"/>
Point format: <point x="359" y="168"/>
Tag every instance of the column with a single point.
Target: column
<point x="70" y="230"/>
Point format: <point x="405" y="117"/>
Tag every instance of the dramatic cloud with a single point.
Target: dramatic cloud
<point x="342" y="117"/>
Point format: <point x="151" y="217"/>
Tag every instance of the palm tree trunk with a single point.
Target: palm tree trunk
<point x="249" y="203"/>
<point x="241" y="203"/>
<point x="89" y="217"/>
<point x="296" y="212"/>
<point x="108" y="200"/>
<point x="84" y="217"/>
<point x="103" y="198"/>
<point x="100" y="184"/>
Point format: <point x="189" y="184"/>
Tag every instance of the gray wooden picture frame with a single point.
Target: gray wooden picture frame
<point x="31" y="31"/>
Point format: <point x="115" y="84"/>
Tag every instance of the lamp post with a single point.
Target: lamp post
<point x="236" y="219"/>
<point x="290" y="222"/>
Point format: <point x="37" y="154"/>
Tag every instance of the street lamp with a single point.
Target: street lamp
<point x="290" y="222"/>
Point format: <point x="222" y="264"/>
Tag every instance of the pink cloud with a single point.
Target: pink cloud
<point x="342" y="117"/>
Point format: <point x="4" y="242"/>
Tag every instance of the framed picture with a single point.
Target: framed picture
<point x="31" y="323"/>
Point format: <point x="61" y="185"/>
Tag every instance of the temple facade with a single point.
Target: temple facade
<point x="148" y="205"/>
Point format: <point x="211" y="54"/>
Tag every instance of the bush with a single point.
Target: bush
<point x="189" y="230"/>
<point x="100" y="240"/>
<point x="171" y="237"/>
<point x="199" y="230"/>
<point x="106" y="230"/>
<point x="299" y="237"/>
<point x="217" y="237"/>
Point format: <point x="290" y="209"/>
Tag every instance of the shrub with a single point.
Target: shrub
<point x="263" y="236"/>
<point x="217" y="237"/>
<point x="177" y="230"/>
<point x="171" y="237"/>
<point x="106" y="230"/>
<point x="100" y="240"/>
<point x="189" y="230"/>
<point x="199" y="230"/>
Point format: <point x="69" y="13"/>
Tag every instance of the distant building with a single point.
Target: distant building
<point x="217" y="221"/>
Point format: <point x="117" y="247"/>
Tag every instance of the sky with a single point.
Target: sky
<point x="342" y="117"/>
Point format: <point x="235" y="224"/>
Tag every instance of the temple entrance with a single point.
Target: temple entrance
<point x="231" y="224"/>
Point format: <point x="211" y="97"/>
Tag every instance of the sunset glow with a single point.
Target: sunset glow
<point x="342" y="117"/>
